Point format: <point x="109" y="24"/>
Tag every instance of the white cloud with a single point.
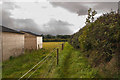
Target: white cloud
<point x="43" y="12"/>
<point x="35" y="16"/>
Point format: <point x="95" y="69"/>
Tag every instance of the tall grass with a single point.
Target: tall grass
<point x="72" y="64"/>
<point x="16" y="67"/>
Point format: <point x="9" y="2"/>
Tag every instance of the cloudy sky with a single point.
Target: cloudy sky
<point x="47" y="17"/>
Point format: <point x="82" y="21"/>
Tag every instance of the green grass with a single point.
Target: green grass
<point x="0" y="70"/>
<point x="71" y="64"/>
<point x="16" y="67"/>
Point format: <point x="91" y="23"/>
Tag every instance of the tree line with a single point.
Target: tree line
<point x="55" y="38"/>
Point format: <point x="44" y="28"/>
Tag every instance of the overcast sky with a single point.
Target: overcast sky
<point x="50" y="17"/>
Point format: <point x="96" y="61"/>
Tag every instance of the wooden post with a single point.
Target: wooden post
<point x="57" y="55"/>
<point x="62" y="46"/>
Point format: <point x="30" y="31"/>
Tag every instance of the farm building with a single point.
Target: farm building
<point x="32" y="41"/>
<point x="12" y="43"/>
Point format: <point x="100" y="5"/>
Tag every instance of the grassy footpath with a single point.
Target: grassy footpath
<point x="73" y="65"/>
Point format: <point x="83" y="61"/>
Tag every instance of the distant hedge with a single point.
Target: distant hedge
<point x="55" y="40"/>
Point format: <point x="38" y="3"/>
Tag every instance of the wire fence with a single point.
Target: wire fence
<point x="49" y="69"/>
<point x="37" y="66"/>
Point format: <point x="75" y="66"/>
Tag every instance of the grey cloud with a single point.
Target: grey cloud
<point x="18" y="24"/>
<point x="5" y="14"/>
<point x="71" y="6"/>
<point x="44" y="7"/>
<point x="56" y="27"/>
<point x="27" y="25"/>
<point x="9" y="5"/>
<point x="6" y="19"/>
<point x="52" y="27"/>
<point x="106" y="6"/>
<point x="82" y="7"/>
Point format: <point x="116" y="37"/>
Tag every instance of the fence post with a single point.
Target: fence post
<point x="62" y="46"/>
<point x="57" y="55"/>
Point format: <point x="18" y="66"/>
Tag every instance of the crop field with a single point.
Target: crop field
<point x="51" y="45"/>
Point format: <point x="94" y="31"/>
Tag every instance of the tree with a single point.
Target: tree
<point x="91" y="15"/>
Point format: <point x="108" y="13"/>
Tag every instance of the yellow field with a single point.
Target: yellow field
<point x="51" y="45"/>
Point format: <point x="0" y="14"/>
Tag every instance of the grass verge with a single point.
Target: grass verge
<point x="72" y="64"/>
<point x="16" y="67"/>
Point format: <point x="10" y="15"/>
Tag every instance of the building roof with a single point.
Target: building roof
<point x="30" y="33"/>
<point x="5" y="29"/>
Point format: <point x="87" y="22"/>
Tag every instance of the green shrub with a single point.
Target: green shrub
<point x="54" y="40"/>
<point x="11" y="57"/>
<point x="100" y="39"/>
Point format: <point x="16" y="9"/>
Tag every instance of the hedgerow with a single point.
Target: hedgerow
<point x="100" y="40"/>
